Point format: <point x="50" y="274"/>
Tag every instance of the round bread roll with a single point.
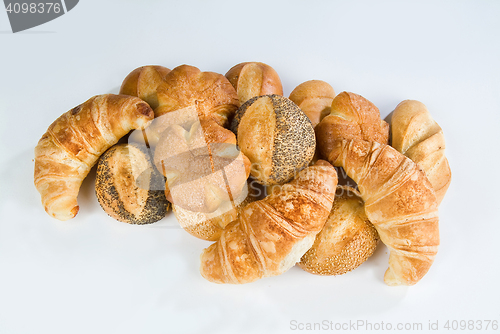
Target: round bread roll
<point x="143" y="82"/>
<point x="252" y="79"/>
<point x="128" y="186"/>
<point x="209" y="226"/>
<point x="347" y="240"/>
<point x="203" y="166"/>
<point x="276" y="136"/>
<point x="315" y="98"/>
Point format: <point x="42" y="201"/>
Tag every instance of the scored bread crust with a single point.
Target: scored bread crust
<point x="351" y="117"/>
<point x="276" y="136"/>
<point x="73" y="143"/>
<point x="272" y="234"/>
<point x="252" y="79"/>
<point x="210" y="93"/>
<point x="399" y="201"/>
<point x="315" y="98"/>
<point x="128" y="187"/>
<point x="143" y="82"/>
<point x="417" y="135"/>
<point x="346" y="241"/>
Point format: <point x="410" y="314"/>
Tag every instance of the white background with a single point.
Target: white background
<point x="96" y="275"/>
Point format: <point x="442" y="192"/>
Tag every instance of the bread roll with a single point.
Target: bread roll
<point x="128" y="187"/>
<point x="315" y="98"/>
<point x="276" y="136"/>
<point x="254" y="79"/>
<point x="203" y="167"/>
<point x="351" y="117"/>
<point x="272" y="234"/>
<point x="209" y="226"/>
<point x="143" y="82"/>
<point x="346" y="241"/>
<point x="73" y="143"/>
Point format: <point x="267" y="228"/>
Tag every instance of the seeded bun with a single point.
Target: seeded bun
<point x="346" y="241"/>
<point x="276" y="136"/>
<point x="128" y="187"/>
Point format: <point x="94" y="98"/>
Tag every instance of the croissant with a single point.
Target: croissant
<point x="400" y="203"/>
<point x="272" y="234"/>
<point x="73" y="143"/>
<point x="420" y="138"/>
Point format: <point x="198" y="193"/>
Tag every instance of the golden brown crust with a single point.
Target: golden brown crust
<point x="346" y="241"/>
<point x="315" y="98"/>
<point x="272" y="234"/>
<point x="143" y="82"/>
<point x="276" y="136"/>
<point x="400" y="203"/>
<point x="73" y="143"/>
<point x="210" y="226"/>
<point x="128" y="187"/>
<point x="211" y="94"/>
<point x="420" y="138"/>
<point x="352" y="117"/>
<point x="252" y="79"/>
<point x="204" y="169"/>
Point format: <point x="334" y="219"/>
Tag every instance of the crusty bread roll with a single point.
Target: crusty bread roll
<point x="203" y="167"/>
<point x="351" y="117"/>
<point x="210" y="93"/>
<point x="143" y="82"/>
<point x="399" y="201"/>
<point x="315" y="98"/>
<point x="73" y="143"/>
<point x="209" y="226"/>
<point x="128" y="187"/>
<point x="272" y="234"/>
<point x="252" y="79"/>
<point x="420" y="138"/>
<point x="276" y="136"/>
<point x="346" y="241"/>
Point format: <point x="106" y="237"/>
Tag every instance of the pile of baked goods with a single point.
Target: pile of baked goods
<point x="255" y="172"/>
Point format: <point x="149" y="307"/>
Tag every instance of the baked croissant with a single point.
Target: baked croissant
<point x="73" y="143"/>
<point x="272" y="234"/>
<point x="420" y="138"/>
<point x="400" y="203"/>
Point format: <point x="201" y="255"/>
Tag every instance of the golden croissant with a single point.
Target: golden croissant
<point x="272" y="234"/>
<point x="420" y="138"/>
<point x="73" y="143"/>
<point x="399" y="201"/>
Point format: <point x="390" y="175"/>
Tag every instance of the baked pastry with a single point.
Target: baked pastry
<point x="272" y="234"/>
<point x="315" y="98"/>
<point x="128" y="187"/>
<point x="73" y="143"/>
<point x="209" y="226"/>
<point x="400" y="203"/>
<point x="210" y="93"/>
<point x="351" y="117"/>
<point x="252" y="79"/>
<point x="346" y="241"/>
<point x="276" y="136"/>
<point x="203" y="167"/>
<point x="420" y="138"/>
<point x="143" y="82"/>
